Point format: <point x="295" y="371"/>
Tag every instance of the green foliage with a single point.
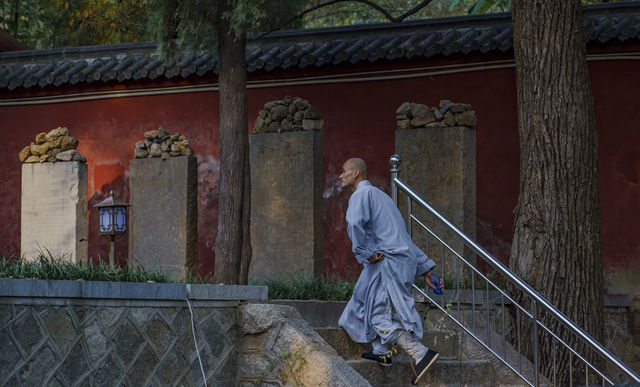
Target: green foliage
<point x="352" y="12"/>
<point x="319" y="288"/>
<point x="53" y="23"/>
<point x="50" y="268"/>
<point x="191" y="24"/>
<point x="308" y="288"/>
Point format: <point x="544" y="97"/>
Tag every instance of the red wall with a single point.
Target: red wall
<point x="359" y="121"/>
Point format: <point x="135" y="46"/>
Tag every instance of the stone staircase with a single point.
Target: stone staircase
<point x="448" y="371"/>
<point x="461" y="363"/>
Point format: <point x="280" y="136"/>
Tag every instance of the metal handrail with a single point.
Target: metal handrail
<point x="396" y="183"/>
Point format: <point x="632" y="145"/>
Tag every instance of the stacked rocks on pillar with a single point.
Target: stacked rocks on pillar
<point x="414" y="115"/>
<point x="287" y="115"/>
<point x="159" y="143"/>
<point x="56" y="145"/>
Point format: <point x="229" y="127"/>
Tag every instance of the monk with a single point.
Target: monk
<point x="381" y="310"/>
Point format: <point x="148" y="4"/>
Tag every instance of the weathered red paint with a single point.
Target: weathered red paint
<point x="359" y="121"/>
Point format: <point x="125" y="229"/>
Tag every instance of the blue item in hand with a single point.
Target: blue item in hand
<point x="435" y="280"/>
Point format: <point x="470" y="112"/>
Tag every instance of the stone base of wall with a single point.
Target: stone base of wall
<point x="107" y="334"/>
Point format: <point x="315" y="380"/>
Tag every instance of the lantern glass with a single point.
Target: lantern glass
<point x="106" y="219"/>
<point x="120" y="219"/>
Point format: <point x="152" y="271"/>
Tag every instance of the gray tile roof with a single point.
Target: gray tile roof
<point x="606" y="23"/>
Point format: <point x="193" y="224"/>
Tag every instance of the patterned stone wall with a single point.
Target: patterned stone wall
<point x="86" y="333"/>
<point x="91" y="333"/>
<point x="65" y="345"/>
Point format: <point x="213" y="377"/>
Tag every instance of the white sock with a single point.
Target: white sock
<point x="413" y="346"/>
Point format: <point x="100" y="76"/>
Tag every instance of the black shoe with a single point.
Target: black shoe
<point x="384" y="360"/>
<point x="424" y="364"/>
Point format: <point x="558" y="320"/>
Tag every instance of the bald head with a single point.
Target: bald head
<point x="360" y="165"/>
<point x="353" y="172"/>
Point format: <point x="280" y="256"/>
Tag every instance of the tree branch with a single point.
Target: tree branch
<point x="369" y="3"/>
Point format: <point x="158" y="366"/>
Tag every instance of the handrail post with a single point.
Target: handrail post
<point x="394" y="161"/>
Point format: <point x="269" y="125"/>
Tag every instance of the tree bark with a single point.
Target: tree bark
<point x="556" y="241"/>
<point x="233" y="250"/>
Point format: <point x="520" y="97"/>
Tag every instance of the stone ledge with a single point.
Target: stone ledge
<point x="127" y="290"/>
<point x="227" y="292"/>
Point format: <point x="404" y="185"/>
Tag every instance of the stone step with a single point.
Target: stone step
<point x="442" y="373"/>
<point x="444" y="342"/>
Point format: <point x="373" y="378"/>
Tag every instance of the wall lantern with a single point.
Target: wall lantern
<point x="112" y="214"/>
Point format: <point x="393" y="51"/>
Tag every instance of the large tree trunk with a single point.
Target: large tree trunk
<point x="556" y="242"/>
<point x="233" y="251"/>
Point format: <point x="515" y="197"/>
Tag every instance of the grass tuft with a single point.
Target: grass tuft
<point x="308" y="288"/>
<point x="51" y="268"/>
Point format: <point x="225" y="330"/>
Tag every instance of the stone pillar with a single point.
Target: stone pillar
<point x="286" y="204"/>
<point x="54" y="210"/>
<point x="163" y="222"/>
<point x="440" y="164"/>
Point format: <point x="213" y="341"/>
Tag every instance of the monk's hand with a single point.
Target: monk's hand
<point x="376" y="257"/>
<point x="427" y="279"/>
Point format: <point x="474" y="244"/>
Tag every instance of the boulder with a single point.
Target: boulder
<point x="162" y="132"/>
<point x="286" y="124"/>
<point x="449" y="119"/>
<point x="55" y="133"/>
<point x="418" y="110"/>
<point x="151" y="135"/>
<point x="404" y="124"/>
<point x="460" y="107"/>
<point x="278" y="112"/>
<point x="68" y="142"/>
<point x="298" y="117"/>
<point x="274" y="127"/>
<point x="56" y="143"/>
<point x="24" y="154"/>
<point x="466" y="118"/>
<point x="44" y="148"/>
<point x="41" y="138"/>
<point x="301" y="104"/>
<point x="271" y="104"/>
<point x="423" y="117"/>
<point x="312" y="113"/>
<point x="154" y="150"/>
<point x="404" y="109"/>
<point x="67" y="155"/>
<point x="258" y="126"/>
<point x="78" y="157"/>
<point x="140" y="153"/>
<point x="444" y="102"/>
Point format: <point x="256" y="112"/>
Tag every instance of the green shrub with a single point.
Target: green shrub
<point x="308" y="288"/>
<point x="48" y="267"/>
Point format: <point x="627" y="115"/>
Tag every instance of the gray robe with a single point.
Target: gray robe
<point x="382" y="302"/>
